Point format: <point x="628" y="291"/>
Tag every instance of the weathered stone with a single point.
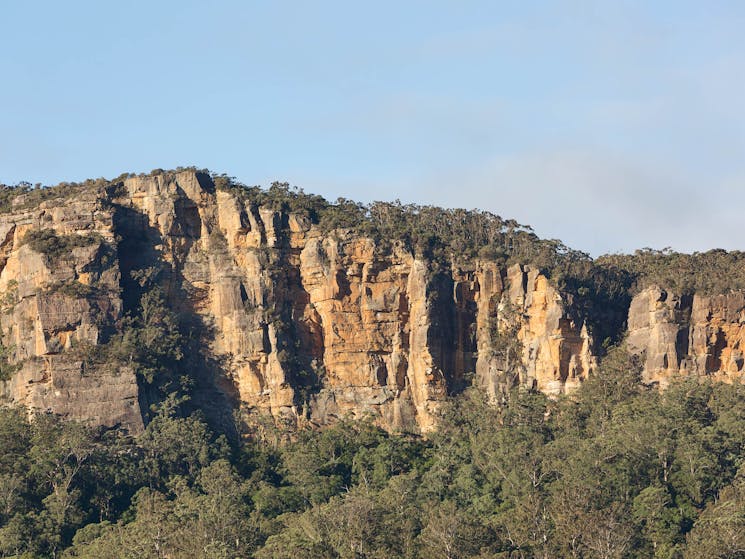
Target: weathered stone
<point x="689" y="335"/>
<point x="306" y="326"/>
<point x="556" y="348"/>
<point x="52" y="303"/>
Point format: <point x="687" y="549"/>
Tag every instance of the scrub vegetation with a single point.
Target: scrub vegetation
<point x="615" y="470"/>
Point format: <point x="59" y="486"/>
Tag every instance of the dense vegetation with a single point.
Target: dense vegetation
<point x="616" y="470"/>
<point x="54" y="246"/>
<point x="438" y="233"/>
<point x="713" y="272"/>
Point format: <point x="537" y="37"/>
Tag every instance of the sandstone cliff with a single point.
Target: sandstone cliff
<point x="284" y="317"/>
<point x="702" y="335"/>
<point x="303" y="324"/>
<point x="53" y="303"/>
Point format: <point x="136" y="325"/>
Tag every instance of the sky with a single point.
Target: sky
<point x="609" y="125"/>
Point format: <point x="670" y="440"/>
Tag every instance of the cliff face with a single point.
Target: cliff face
<point x="304" y="325"/>
<point x="52" y="304"/>
<point x="525" y="326"/>
<point x="293" y="321"/>
<point x="691" y="335"/>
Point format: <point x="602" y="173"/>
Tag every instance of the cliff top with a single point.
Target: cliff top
<point x="442" y="235"/>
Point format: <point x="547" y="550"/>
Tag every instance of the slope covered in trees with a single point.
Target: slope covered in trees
<point x="616" y="470"/>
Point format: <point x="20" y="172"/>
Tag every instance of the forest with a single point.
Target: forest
<point x="613" y="470"/>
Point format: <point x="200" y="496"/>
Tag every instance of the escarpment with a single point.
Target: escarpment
<point x="116" y="293"/>
<point x="312" y="326"/>
<point x="305" y="324"/>
<point x="699" y="335"/>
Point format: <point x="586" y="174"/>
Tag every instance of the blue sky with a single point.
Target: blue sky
<point x="609" y="125"/>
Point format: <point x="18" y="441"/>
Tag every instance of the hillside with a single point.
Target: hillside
<point x="193" y="368"/>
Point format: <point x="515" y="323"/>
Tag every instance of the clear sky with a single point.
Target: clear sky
<point x="610" y="125"/>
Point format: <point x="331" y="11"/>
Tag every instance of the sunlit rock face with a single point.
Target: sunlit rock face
<point x="689" y="335"/>
<point x="300" y="325"/>
<point x="57" y="301"/>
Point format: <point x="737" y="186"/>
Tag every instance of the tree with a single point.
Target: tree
<point x="719" y="533"/>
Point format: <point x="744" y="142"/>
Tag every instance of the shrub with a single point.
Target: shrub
<point x="54" y="246"/>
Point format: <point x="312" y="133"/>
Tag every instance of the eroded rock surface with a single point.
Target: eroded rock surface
<point x="305" y="325"/>
<point x="690" y="335"/>
<point x="59" y="300"/>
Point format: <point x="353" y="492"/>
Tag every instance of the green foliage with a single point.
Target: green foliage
<point x="54" y="246"/>
<point x="73" y="289"/>
<point x="7" y="367"/>
<point x="280" y="196"/>
<point x="720" y="531"/>
<point x="712" y="272"/>
<point x="177" y="446"/>
<point x="614" y="470"/>
<point x="149" y="339"/>
<point x="437" y="233"/>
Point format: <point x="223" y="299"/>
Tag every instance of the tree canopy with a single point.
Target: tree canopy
<point x="614" y="470"/>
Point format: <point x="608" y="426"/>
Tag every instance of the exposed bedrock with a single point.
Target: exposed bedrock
<point x="688" y="334"/>
<point x="298" y="323"/>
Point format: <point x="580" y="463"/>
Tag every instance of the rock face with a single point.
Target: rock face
<point x="295" y="322"/>
<point x="56" y="301"/>
<point x="691" y="335"/>
<point x="305" y="325"/>
<point x="554" y="352"/>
